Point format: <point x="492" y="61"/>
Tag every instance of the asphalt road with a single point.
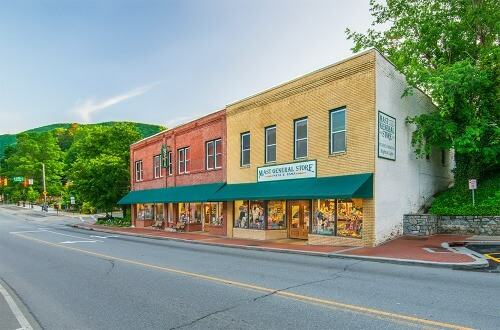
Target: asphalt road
<point x="66" y="278"/>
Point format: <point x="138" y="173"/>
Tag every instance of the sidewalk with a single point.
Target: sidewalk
<point x="432" y="251"/>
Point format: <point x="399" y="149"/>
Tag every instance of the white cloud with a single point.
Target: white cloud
<point x="180" y="120"/>
<point x="86" y="108"/>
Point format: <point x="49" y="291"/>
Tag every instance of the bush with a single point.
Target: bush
<point x="115" y="222"/>
<point x="458" y="199"/>
<point x="87" y="208"/>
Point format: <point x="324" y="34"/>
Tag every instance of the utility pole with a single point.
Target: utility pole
<point x="44" y="188"/>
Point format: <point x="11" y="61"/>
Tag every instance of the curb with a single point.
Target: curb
<point x="480" y="262"/>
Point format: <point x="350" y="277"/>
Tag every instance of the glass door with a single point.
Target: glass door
<point x="298" y="219"/>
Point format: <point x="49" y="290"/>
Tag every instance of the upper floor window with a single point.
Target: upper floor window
<point x="169" y="162"/>
<point x="271" y="144"/>
<point x="157" y="166"/>
<point x="300" y="138"/>
<point x="214" y="154"/>
<point x="184" y="160"/>
<point x="245" y="149"/>
<point x="138" y="170"/>
<point x="337" y="131"/>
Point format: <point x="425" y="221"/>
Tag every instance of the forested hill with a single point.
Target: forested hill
<point x="145" y="130"/>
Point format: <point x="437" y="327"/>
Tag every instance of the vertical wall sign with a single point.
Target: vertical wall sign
<point x="386" y="136"/>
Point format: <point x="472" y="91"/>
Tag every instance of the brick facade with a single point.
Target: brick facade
<point x="194" y="135"/>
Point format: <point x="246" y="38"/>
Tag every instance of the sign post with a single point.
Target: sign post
<point x="473" y="186"/>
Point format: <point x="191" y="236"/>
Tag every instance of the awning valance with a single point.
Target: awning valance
<point x="345" y="186"/>
<point x="178" y="194"/>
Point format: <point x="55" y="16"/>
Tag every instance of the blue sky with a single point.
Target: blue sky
<point x="159" y="62"/>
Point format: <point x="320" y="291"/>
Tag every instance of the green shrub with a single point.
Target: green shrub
<point x="116" y="222"/>
<point x="458" y="199"/>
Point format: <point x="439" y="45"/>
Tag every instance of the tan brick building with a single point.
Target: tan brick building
<point x="306" y="157"/>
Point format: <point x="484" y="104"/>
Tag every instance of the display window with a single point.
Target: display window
<point x="276" y="215"/>
<point x="339" y="217"/>
<point x="350" y="217"/>
<point x="256" y="214"/>
<point x="145" y="211"/>
<point x="323" y="221"/>
<point x="214" y="213"/>
<point x="241" y="214"/>
<point x="159" y="212"/>
<point x="189" y="212"/>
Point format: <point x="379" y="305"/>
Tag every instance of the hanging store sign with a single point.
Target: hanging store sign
<point x="386" y="136"/>
<point x="299" y="170"/>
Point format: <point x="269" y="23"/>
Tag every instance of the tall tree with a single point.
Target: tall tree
<point x="450" y="50"/>
<point x="101" y="171"/>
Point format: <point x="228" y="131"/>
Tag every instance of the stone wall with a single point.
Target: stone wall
<point x="420" y="224"/>
<point x="428" y="224"/>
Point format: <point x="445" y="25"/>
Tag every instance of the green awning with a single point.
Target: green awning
<point x="178" y="194"/>
<point x="345" y="186"/>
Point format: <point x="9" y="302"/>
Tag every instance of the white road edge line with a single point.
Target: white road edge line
<point x="54" y="232"/>
<point x="17" y="312"/>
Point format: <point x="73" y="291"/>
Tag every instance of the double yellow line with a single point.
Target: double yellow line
<point x="489" y="256"/>
<point x="329" y="304"/>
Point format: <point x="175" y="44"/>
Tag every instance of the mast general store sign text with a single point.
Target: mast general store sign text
<point x="299" y="170"/>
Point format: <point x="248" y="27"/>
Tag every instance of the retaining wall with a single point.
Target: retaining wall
<point x="429" y="224"/>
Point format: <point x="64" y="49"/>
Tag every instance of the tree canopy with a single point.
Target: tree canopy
<point x="450" y="50"/>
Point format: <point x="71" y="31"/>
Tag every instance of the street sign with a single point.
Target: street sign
<point x="473" y="186"/>
<point x="72" y="200"/>
<point x="30" y="181"/>
<point x="18" y="179"/>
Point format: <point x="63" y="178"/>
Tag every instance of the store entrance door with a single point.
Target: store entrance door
<point x="207" y="216"/>
<point x="298" y="223"/>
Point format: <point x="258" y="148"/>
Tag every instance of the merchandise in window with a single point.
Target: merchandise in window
<point x="256" y="214"/>
<point x="337" y="131"/>
<point x="145" y="211"/>
<point x="323" y="222"/>
<point x="159" y="212"/>
<point x="301" y="138"/>
<point x="245" y="149"/>
<point x="214" y="213"/>
<point x="190" y="212"/>
<point x="241" y="216"/>
<point x="350" y="217"/>
<point x="276" y="215"/>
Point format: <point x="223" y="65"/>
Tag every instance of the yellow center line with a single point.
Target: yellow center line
<point x="251" y="287"/>
<point x="489" y="256"/>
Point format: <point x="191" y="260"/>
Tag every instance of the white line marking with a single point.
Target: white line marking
<point x="54" y="232"/>
<point x="104" y="236"/>
<point x="73" y="242"/>
<point x="81" y="218"/>
<point x="17" y="312"/>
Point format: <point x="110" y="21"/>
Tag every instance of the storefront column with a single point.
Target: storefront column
<point x="230" y="218"/>
<point x="133" y="212"/>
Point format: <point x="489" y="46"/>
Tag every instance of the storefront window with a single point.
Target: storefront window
<point x="145" y="211"/>
<point x="276" y="215"/>
<point x="250" y="214"/>
<point x="350" y="217"/>
<point x="190" y="212"/>
<point x="256" y="214"/>
<point x="159" y="212"/>
<point x="214" y="214"/>
<point x="241" y="214"/>
<point x="323" y="221"/>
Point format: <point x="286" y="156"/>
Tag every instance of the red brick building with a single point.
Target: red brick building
<point x="174" y="172"/>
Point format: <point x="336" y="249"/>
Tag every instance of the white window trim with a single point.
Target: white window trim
<point x="242" y="150"/>
<point x="270" y="145"/>
<point x="215" y="155"/>
<point x="169" y="164"/>
<point x="138" y="171"/>
<point x="306" y="138"/>
<point x="158" y="173"/>
<point x="332" y="132"/>
<point x="184" y="160"/>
